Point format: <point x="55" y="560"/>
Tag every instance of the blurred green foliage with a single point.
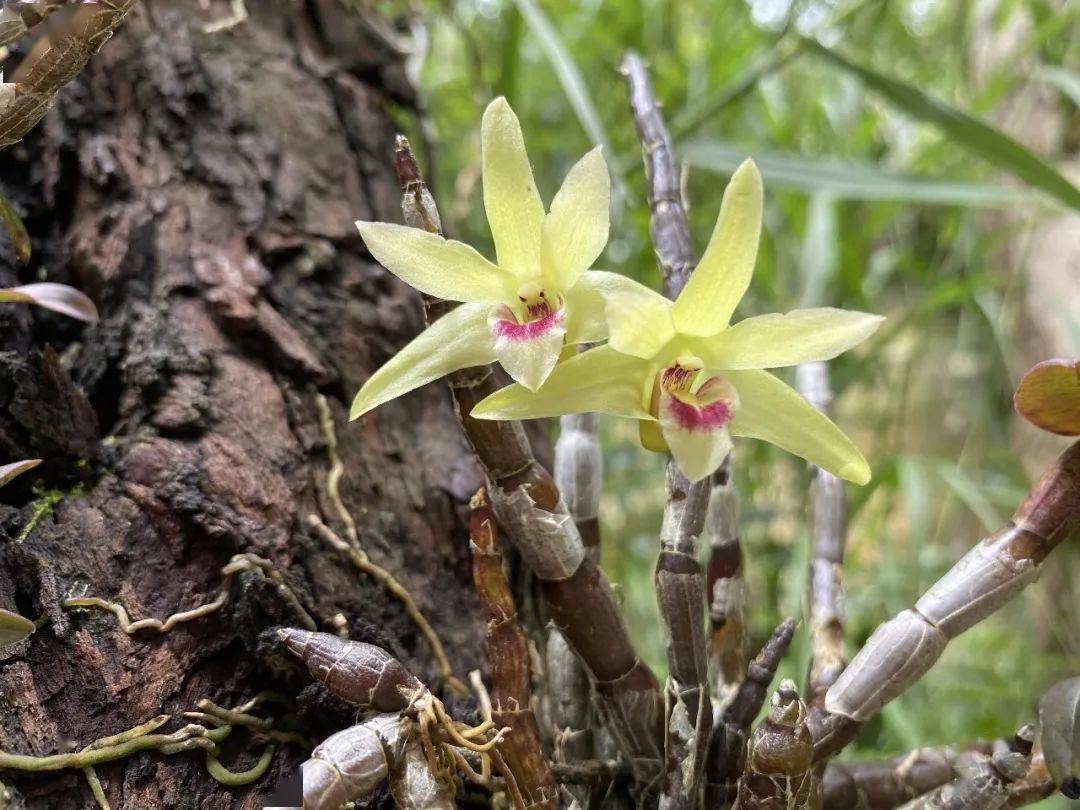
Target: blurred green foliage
<point x="868" y="207"/>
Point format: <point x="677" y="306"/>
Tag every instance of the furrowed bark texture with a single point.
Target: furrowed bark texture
<point x="680" y="579"/>
<point x="202" y="188"/>
<point x="530" y="509"/>
<point x="903" y="649"/>
<point x="508" y="656"/>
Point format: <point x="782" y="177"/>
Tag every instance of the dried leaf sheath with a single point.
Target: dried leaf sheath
<point x="508" y="656"/>
<point x="33" y="85"/>
<point x="529" y="508"/>
<point x="901" y="651"/>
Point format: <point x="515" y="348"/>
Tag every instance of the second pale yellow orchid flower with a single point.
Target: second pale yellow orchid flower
<point x="523" y="310"/>
<point x="694" y="380"/>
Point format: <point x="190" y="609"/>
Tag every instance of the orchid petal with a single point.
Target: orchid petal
<point x="515" y="211"/>
<point x="600" y="380"/>
<point x="638" y="323"/>
<point x="459" y="339"/>
<point x="439" y="267"/>
<point x="774" y="412"/>
<point x="527" y="351"/>
<point x="586" y="303"/>
<point x="718" y="284"/>
<point x="802" y="336"/>
<point x="697" y="431"/>
<point x="57" y="297"/>
<point x="575" y="231"/>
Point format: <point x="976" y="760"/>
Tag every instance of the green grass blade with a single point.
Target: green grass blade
<point x="573" y="85"/>
<point x="851" y="181"/>
<point x="962" y="128"/>
<point x="1064" y="80"/>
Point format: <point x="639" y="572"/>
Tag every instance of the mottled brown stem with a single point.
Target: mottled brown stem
<point x="828" y="539"/>
<point x="680" y="580"/>
<point x="508" y="656"/>
<point x="52" y="63"/>
<point x="779" y="772"/>
<point x="726" y="585"/>
<point x="902" y="650"/>
<point x="534" y="516"/>
<point x="983" y="782"/>
<point x="727" y="750"/>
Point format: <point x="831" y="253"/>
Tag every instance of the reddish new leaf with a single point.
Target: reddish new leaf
<point x="1049" y="396"/>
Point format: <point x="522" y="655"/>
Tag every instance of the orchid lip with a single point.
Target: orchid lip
<point x="713" y="416"/>
<point x="530" y="330"/>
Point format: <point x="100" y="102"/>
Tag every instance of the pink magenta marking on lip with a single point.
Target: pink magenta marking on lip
<point x="713" y="416"/>
<point x="526" y="331"/>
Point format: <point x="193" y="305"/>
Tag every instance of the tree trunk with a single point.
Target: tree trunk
<point x="202" y="189"/>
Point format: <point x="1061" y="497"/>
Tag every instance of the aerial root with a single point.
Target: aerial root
<point x="238" y="564"/>
<point x="350" y="546"/>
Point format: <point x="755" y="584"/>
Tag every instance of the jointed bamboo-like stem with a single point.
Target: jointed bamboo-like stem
<point x="531" y="511"/>
<point x="829" y="536"/>
<point x="726" y="586"/>
<point x="668" y="225"/>
<point x="508" y="655"/>
<point x="1034" y="786"/>
<point x="902" y="650"/>
<point x="579" y="477"/>
<point x="884" y="784"/>
<point x="983" y="782"/>
<point x="779" y="772"/>
<point x="680" y="580"/>
<point x="54" y="62"/>
<point x="680" y="592"/>
<point x="727" y="749"/>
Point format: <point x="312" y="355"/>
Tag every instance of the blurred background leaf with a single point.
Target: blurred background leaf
<point x="921" y="177"/>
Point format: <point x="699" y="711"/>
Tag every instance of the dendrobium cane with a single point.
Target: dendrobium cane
<point x="536" y="300"/>
<point x="692" y="379"/>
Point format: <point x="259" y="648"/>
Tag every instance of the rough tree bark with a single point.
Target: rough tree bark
<point x="202" y="188"/>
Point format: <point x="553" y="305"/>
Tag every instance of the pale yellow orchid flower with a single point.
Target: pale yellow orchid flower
<point x="693" y="380"/>
<point x="523" y="310"/>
